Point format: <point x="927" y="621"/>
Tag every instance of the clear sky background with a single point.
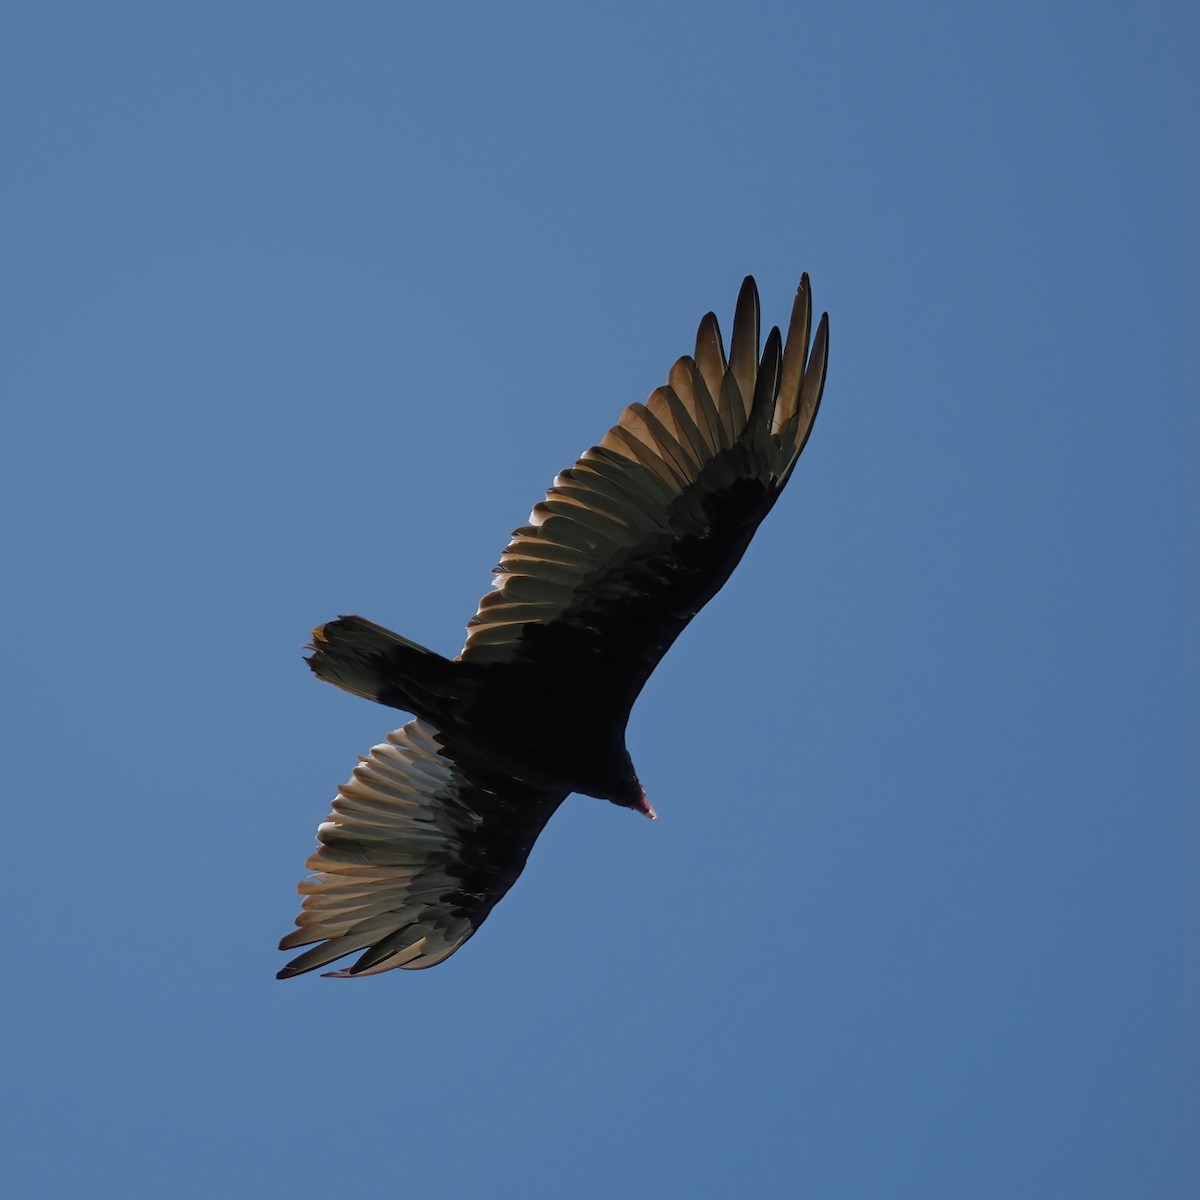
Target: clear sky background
<point x="303" y="307"/>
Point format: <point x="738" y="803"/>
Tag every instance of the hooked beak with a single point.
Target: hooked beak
<point x="645" y="809"/>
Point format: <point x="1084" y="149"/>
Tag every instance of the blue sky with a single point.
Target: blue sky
<point x="305" y="305"/>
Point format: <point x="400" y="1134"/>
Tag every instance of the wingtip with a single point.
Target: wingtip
<point x="747" y="316"/>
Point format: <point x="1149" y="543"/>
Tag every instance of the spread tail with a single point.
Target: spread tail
<point x="364" y="658"/>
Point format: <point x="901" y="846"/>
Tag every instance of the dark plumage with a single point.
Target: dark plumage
<point x="436" y="823"/>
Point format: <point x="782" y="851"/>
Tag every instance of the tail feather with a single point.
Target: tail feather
<point x="373" y="662"/>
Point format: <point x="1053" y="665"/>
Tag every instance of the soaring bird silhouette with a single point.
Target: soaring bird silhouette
<point x="629" y="544"/>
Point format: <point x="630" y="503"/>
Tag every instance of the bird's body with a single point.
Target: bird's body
<point x="629" y="544"/>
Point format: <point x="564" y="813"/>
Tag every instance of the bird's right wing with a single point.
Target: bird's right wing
<point x="415" y="855"/>
<point x="644" y="529"/>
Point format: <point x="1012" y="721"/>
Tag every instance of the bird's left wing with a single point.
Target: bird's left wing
<point x="416" y="853"/>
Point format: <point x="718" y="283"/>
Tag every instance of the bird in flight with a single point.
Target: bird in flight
<point x="436" y="823"/>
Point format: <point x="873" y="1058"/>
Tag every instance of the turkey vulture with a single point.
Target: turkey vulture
<point x="629" y="544"/>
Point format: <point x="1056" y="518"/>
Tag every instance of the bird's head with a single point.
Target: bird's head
<point x="631" y="795"/>
<point x="643" y="806"/>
